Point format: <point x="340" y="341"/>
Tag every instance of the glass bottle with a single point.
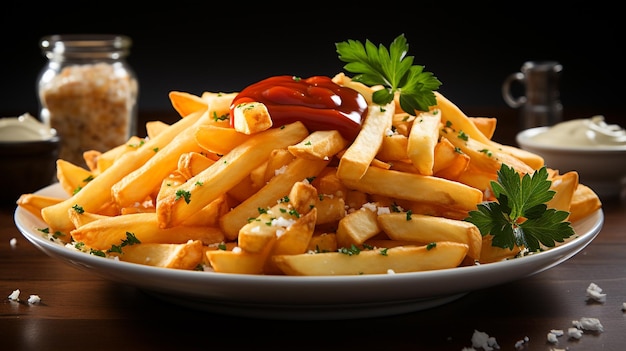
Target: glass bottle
<point x="88" y="92"/>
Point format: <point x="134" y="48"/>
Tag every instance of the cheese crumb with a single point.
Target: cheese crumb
<point x="519" y="344"/>
<point x="34" y="299"/>
<point x="574" y="333"/>
<point x="594" y="292"/>
<point x="482" y="339"/>
<point x="13" y="242"/>
<point x="370" y="206"/>
<point x="15" y="295"/>
<point x="588" y="323"/>
<point x="383" y="210"/>
<point x="281" y="170"/>
<point x="552" y="338"/>
<point x="557" y="332"/>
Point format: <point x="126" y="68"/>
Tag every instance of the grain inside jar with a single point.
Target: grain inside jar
<point x="88" y="93"/>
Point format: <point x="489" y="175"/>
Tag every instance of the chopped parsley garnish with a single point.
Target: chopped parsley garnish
<point x="131" y="239"/>
<point x="352" y="250"/>
<point x="392" y="69"/>
<point x="99" y="253"/>
<point x="78" y="209"/>
<point x="183" y="194"/>
<point x="520" y="215"/>
<point x="217" y="117"/>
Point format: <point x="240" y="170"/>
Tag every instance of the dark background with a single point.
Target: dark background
<point x="197" y="48"/>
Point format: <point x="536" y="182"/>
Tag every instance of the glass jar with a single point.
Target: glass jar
<point x="88" y="92"/>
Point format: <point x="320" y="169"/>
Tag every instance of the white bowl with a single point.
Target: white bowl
<point x="602" y="168"/>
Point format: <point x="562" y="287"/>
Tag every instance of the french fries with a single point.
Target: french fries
<point x="259" y="198"/>
<point x="359" y="155"/>
<point x="440" y="255"/>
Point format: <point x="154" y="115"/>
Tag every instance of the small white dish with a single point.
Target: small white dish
<point x="309" y="298"/>
<point x="601" y="167"/>
<point x="24" y="128"/>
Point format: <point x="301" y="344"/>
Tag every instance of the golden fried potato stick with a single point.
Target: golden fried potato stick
<point x="34" y="203"/>
<point x="330" y="209"/>
<point x="219" y="105"/>
<point x="224" y="174"/>
<point x="365" y="90"/>
<point x="486" y="125"/>
<point x="185" y="103"/>
<point x="277" y="163"/>
<point x="490" y="253"/>
<point x="565" y="186"/>
<point x="320" y="145"/>
<point x="219" y="139"/>
<point x="107" y="158"/>
<point x="279" y="186"/>
<point x="238" y="260"/>
<point x="192" y="163"/>
<point x="154" y="128"/>
<point x="439" y="255"/>
<point x="72" y="177"/>
<point x="293" y="241"/>
<point x="103" y="233"/>
<point x="357" y="158"/>
<point x="289" y="225"/>
<point x="322" y="242"/>
<point x="91" y="160"/>
<point x="187" y="255"/>
<point x="356" y="227"/>
<point x="485" y="157"/>
<point x="423" y="229"/>
<point x="394" y="148"/>
<point x="210" y="214"/>
<point x="82" y="218"/>
<point x="423" y="138"/>
<point x="452" y="116"/>
<point x="328" y="183"/>
<point x="97" y="192"/>
<point x="584" y="202"/>
<point x="417" y="187"/>
<point x="139" y="183"/>
<point x="449" y="162"/>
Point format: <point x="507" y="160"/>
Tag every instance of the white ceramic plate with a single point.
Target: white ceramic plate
<point x="309" y="298"/>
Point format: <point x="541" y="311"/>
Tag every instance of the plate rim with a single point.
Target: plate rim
<point x="283" y="291"/>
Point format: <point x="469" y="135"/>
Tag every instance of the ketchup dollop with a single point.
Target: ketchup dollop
<point x="318" y="102"/>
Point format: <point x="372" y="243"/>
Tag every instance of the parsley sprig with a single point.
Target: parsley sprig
<point x="520" y="215"/>
<point x="392" y="69"/>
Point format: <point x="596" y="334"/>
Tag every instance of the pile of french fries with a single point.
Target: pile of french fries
<point x="264" y="199"/>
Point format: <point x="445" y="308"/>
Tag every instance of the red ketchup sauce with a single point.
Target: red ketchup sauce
<point x="318" y="102"/>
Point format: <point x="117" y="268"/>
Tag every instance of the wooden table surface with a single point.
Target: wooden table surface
<point x="79" y="310"/>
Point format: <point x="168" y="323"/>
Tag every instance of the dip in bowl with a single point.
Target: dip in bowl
<point x="591" y="147"/>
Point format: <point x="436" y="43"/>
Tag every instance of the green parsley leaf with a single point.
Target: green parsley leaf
<point x="392" y="69"/>
<point x="183" y="194"/>
<point x="520" y="215"/>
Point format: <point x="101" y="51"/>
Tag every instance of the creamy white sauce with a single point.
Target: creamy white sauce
<point x="24" y="128"/>
<point x="592" y="131"/>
